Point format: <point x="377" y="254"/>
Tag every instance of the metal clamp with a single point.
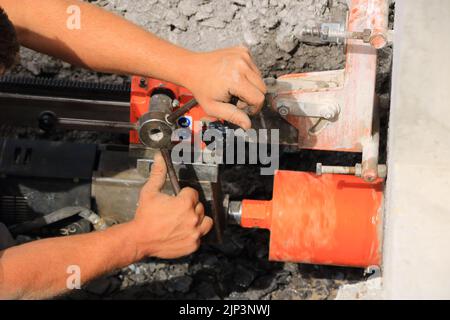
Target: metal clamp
<point x="328" y="111"/>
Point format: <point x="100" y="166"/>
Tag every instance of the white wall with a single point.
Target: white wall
<point x="417" y="235"/>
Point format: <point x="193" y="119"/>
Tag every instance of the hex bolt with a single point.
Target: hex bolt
<point x="175" y="103"/>
<point x="319" y="169"/>
<point x="47" y="120"/>
<point x="283" y="111"/>
<point x="354" y="171"/>
<point x="143" y="83"/>
<point x="328" y="116"/>
<point x="235" y="212"/>
<point x="330" y="112"/>
<point x="270" y="81"/>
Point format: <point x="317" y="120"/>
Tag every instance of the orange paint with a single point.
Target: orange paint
<point x="332" y="219"/>
<point x="140" y="101"/>
<point x="354" y="93"/>
<point x="258" y="214"/>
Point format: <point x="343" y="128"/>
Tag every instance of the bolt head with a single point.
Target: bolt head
<point x="283" y="111"/>
<point x="270" y="81"/>
<point x="175" y="103"/>
<point x="319" y="169"/>
<point x="143" y="83"/>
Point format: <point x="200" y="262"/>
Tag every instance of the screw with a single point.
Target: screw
<point x="175" y="103"/>
<point x="366" y="35"/>
<point x="319" y="169"/>
<point x="283" y="111"/>
<point x="47" y="120"/>
<point x="328" y="114"/>
<point x="270" y="81"/>
<point x="143" y="83"/>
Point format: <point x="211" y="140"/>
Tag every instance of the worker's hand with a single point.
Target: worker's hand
<point x="214" y="77"/>
<point x="168" y="227"/>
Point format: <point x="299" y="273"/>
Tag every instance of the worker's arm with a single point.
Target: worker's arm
<point x="165" y="227"/>
<point x="106" y="42"/>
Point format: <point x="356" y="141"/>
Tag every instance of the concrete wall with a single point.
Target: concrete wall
<point x="417" y="235"/>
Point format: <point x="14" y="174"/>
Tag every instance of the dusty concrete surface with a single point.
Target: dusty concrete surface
<point x="365" y="290"/>
<point x="267" y="27"/>
<point x="238" y="269"/>
<point x="416" y="254"/>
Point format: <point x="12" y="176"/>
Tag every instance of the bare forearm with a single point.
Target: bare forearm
<point x="105" y="42"/>
<point x="39" y="270"/>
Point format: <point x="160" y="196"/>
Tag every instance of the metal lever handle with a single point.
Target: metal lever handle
<point x="171" y="171"/>
<point x="184" y="109"/>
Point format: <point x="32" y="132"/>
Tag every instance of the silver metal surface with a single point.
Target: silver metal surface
<point x="235" y="212"/>
<point x="87" y="124"/>
<point x="46" y="99"/>
<point x="117" y="195"/>
<point x="154" y="132"/>
<point x="354" y="171"/>
<point x="194" y="171"/>
<point x="24" y="110"/>
<point x="334" y="33"/>
<point x="97" y="222"/>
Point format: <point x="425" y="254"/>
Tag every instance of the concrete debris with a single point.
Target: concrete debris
<point x="367" y="290"/>
<point x="267" y="27"/>
<point x="189" y="7"/>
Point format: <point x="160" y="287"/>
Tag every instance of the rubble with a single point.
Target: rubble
<point x="267" y="27"/>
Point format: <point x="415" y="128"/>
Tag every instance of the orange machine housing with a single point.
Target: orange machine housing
<point x="142" y="90"/>
<point x="330" y="220"/>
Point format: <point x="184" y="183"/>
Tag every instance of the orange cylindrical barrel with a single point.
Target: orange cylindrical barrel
<point x="331" y="219"/>
<point x="256" y="214"/>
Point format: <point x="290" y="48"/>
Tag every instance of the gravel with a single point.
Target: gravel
<point x="232" y="271"/>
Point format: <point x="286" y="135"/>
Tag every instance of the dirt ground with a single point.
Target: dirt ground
<point x="238" y="269"/>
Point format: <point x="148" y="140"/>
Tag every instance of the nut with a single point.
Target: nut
<point x="143" y="83"/>
<point x="328" y="115"/>
<point x="175" y="103"/>
<point x="283" y="111"/>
